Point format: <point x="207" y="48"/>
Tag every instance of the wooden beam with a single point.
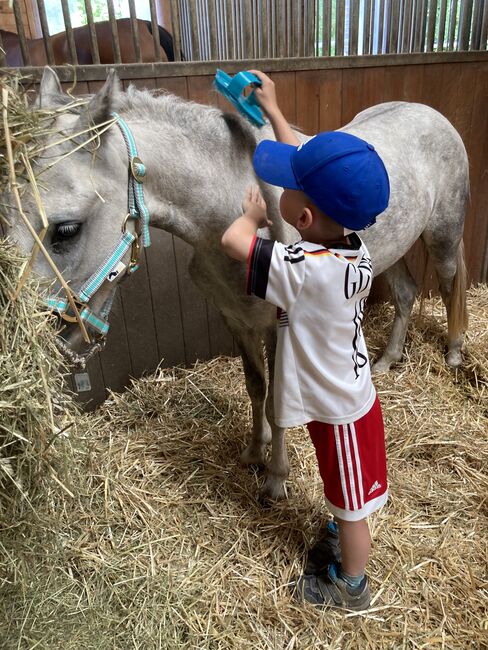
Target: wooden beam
<point x="198" y="68"/>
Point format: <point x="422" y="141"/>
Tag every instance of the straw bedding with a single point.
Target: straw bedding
<point x="159" y="540"/>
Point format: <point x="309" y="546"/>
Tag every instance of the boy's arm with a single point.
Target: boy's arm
<point x="237" y="239"/>
<point x="266" y="96"/>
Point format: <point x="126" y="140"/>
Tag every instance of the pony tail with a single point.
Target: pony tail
<point x="458" y="319"/>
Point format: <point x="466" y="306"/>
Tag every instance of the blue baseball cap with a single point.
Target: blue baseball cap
<point x="340" y="173"/>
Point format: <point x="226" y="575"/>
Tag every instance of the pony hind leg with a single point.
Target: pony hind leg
<point x="403" y="291"/>
<point x="449" y="263"/>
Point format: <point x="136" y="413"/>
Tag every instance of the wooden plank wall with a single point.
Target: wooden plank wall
<point x="160" y="315"/>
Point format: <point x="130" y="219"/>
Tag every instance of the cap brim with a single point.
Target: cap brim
<point x="272" y="163"/>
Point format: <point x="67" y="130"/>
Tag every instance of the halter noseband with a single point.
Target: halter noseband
<point x="112" y="266"/>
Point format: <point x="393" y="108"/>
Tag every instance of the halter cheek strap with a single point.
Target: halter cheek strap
<point x="112" y="266"/>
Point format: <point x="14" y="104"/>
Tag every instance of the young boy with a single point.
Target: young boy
<point x="334" y="185"/>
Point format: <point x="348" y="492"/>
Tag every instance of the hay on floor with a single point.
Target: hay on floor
<point x="165" y="543"/>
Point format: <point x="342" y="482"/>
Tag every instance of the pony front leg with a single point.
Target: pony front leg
<point x="278" y="468"/>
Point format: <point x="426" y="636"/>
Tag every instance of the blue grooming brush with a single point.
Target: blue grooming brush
<point x="232" y="88"/>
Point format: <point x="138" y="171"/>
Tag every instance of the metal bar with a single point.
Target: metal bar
<point x="293" y="31"/>
<point x="452" y="24"/>
<point x="395" y="16"/>
<point x="135" y="30"/>
<point x="295" y="37"/>
<point x="263" y="26"/>
<point x="259" y="29"/>
<point x="24" y="48"/>
<point x="429" y="43"/>
<point x="92" y="33"/>
<point x="381" y="23"/>
<point x="280" y="28"/>
<point x="484" y="27"/>
<point x="474" y="41"/>
<point x="326" y="26"/>
<point x="254" y="24"/>
<point x="367" y="30"/>
<point x="182" y="12"/>
<point x="339" y="32"/>
<point x="155" y="31"/>
<point x="417" y="24"/>
<point x="423" y="25"/>
<point x="194" y="31"/>
<point x="229" y="21"/>
<point x="309" y="25"/>
<point x="114" y="32"/>
<point x="202" y="31"/>
<point x="69" y="32"/>
<point x="442" y="26"/>
<point x="187" y="28"/>
<point x="387" y="26"/>
<point x="246" y="16"/>
<point x="353" y="28"/>
<point x="464" y="24"/>
<point x="219" y="19"/>
<point x="407" y="25"/>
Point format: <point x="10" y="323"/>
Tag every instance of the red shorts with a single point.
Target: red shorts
<point x="352" y="464"/>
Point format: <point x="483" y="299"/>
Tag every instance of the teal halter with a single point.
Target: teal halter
<point x="112" y="266"/>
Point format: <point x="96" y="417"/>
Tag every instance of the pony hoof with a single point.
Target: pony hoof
<point x="254" y="455"/>
<point x="454" y="359"/>
<point x="382" y="365"/>
<point x="273" y="488"/>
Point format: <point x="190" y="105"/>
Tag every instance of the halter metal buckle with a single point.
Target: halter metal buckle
<point x="135" y="166"/>
<point x="71" y="318"/>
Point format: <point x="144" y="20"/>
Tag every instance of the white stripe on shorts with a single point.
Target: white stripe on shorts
<point x="341" y="466"/>
<point x="350" y="469"/>
<point x="358" y="464"/>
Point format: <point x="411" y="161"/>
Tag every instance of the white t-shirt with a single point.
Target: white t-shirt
<point x="322" y="369"/>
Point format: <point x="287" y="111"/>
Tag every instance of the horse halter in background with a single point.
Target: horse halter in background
<point x="112" y="267"/>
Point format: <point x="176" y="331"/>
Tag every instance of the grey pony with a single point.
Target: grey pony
<point x="199" y="163"/>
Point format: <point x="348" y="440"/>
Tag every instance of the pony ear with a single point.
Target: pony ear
<point x="50" y="91"/>
<point x="101" y="105"/>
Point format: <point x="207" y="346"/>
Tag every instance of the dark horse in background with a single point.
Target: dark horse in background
<point x="11" y="44"/>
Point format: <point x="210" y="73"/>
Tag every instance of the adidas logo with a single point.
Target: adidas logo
<point x="374" y="487"/>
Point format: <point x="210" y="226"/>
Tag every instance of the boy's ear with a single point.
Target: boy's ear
<point x="305" y="220"/>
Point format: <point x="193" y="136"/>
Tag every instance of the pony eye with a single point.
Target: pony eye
<point x="67" y="230"/>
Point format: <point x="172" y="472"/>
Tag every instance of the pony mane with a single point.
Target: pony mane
<point x="203" y="121"/>
<point x="157" y="105"/>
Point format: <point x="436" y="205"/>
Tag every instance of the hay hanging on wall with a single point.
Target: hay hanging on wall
<point x="34" y="408"/>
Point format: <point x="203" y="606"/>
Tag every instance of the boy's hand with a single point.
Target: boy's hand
<point x="254" y="207"/>
<point x="239" y="236"/>
<point x="266" y="93"/>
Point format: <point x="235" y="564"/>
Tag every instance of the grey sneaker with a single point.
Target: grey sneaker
<point x="330" y="590"/>
<point x="326" y="551"/>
